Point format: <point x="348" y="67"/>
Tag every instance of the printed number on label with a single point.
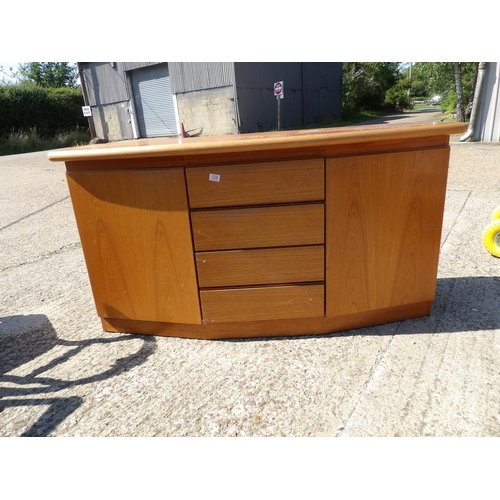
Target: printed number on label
<point x="214" y="177"/>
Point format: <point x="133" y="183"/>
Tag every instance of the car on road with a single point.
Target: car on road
<point x="435" y="100"/>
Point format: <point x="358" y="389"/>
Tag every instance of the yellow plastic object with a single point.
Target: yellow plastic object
<point x="496" y="214"/>
<point x="491" y="238"/>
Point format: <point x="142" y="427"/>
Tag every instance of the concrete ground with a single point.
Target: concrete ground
<point x="61" y="375"/>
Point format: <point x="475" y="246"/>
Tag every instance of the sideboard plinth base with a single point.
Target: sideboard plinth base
<point x="270" y="328"/>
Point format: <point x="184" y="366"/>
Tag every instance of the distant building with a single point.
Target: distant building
<point x="136" y="99"/>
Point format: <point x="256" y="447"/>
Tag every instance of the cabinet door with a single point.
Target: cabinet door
<point x="136" y="238"/>
<point x="383" y="228"/>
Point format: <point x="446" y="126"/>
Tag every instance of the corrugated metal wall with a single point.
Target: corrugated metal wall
<point x="488" y="123"/>
<point x="322" y="92"/>
<point x="312" y="94"/>
<point x="191" y="76"/>
<point x="106" y="82"/>
<point x="128" y="66"/>
<point x="256" y="101"/>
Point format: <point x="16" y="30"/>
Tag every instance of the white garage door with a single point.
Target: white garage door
<point x="153" y="100"/>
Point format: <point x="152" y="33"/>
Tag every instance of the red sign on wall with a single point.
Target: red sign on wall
<point x="278" y="89"/>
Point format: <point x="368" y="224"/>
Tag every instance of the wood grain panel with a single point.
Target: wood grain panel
<point x="245" y="143"/>
<point x="257" y="183"/>
<point x="383" y="229"/>
<point x="260" y="267"/>
<point x="328" y="149"/>
<point x="251" y="304"/>
<point x="135" y="233"/>
<point x="258" y="227"/>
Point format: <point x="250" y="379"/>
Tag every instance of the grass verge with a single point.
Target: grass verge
<point x="30" y="141"/>
<point x="358" y="118"/>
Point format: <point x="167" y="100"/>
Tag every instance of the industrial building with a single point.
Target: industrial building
<point x="130" y="100"/>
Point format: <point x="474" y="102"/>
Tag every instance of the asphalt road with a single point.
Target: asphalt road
<point x="61" y="375"/>
<point x="420" y="117"/>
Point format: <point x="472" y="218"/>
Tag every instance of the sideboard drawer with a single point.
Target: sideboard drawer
<point x="256" y="183"/>
<point x="261" y="303"/>
<point x="258" y="227"/>
<point x="261" y="267"/>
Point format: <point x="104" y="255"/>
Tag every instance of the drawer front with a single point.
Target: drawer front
<point x="256" y="183"/>
<point x="261" y="267"/>
<point x="258" y="227"/>
<point x="253" y="304"/>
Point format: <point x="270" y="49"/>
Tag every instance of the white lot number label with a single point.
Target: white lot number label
<point x="214" y="177"/>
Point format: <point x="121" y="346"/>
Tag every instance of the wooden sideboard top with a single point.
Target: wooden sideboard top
<point x="266" y="141"/>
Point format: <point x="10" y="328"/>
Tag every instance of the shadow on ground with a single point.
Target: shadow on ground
<point x="25" y="338"/>
<point x="461" y="305"/>
<point x="420" y="117"/>
<point x="466" y="304"/>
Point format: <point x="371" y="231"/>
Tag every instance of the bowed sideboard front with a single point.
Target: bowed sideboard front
<point x="278" y="247"/>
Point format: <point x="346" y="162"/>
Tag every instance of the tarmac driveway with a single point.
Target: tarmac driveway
<point x="61" y="375"/>
<point x="420" y="117"/>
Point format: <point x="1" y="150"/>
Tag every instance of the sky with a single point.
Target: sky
<point x="6" y="71"/>
<point x="9" y="69"/>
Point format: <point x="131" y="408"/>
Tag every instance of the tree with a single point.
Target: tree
<point x="398" y="94"/>
<point x="460" y="93"/>
<point x="438" y="77"/>
<point x="454" y="81"/>
<point x="49" y="74"/>
<point x="364" y="85"/>
<point x="387" y="74"/>
<point x="357" y="88"/>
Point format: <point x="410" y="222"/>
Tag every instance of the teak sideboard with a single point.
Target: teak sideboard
<point x="280" y="233"/>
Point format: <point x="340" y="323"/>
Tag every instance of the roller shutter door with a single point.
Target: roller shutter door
<point x="153" y="100"/>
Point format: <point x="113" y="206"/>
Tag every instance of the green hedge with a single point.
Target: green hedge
<point x="48" y="110"/>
